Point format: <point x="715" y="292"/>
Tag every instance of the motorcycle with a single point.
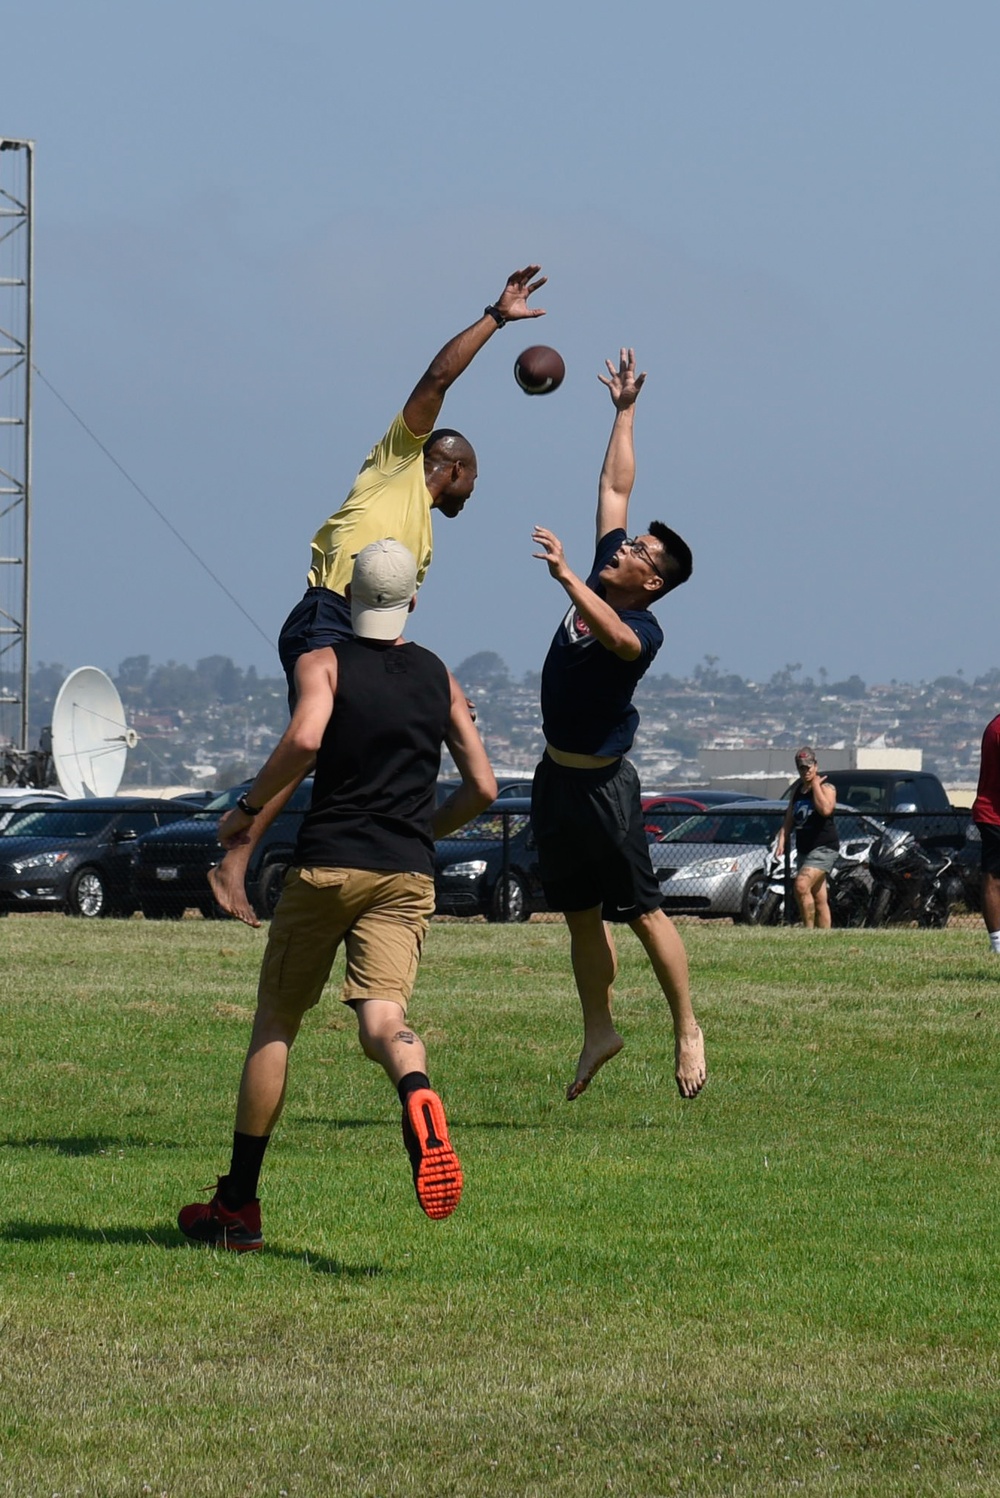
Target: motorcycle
<point x="849" y="892"/>
<point x="910" y="882"/>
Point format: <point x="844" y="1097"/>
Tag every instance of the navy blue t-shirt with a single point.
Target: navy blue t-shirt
<point x="586" y="688"/>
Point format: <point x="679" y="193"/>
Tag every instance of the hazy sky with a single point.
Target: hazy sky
<point x="256" y="223"/>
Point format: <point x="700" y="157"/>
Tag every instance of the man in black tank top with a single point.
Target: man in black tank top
<point x="817" y="846"/>
<point x="372" y="715"/>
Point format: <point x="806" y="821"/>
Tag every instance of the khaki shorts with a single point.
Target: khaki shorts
<point x="381" y="918"/>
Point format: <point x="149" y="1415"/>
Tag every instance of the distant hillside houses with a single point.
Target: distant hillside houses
<point x="217" y="714"/>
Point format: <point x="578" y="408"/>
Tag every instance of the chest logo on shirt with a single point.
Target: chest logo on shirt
<point x="576" y="628"/>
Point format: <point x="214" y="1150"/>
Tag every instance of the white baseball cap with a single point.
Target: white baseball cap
<point x="382" y="584"/>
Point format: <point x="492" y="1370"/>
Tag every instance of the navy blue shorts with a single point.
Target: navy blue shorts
<point x="592" y="847"/>
<point x="320" y="618"/>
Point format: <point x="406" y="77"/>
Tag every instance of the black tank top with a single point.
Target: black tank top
<point x="374" y="789"/>
<point x="812" y="829"/>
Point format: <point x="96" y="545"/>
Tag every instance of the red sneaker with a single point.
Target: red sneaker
<point x="437" y="1175"/>
<point x="212" y="1223"/>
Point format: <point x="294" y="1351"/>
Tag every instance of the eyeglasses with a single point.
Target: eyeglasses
<point x="636" y="544"/>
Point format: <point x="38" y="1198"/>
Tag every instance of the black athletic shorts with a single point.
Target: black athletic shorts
<point x="592" y="847"/>
<point x="989" y="855"/>
<point x="320" y="618"/>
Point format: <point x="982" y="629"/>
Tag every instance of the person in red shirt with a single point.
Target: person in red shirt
<point x="986" y="815"/>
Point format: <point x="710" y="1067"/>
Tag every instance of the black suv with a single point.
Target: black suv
<point x="171" y="866"/>
<point x="914" y="799"/>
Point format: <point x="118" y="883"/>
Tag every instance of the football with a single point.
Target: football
<point x="539" y="370"/>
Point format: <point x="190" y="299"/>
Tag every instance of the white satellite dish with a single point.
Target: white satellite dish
<point x="90" y="741"/>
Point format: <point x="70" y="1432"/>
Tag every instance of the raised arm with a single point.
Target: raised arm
<point x="618" y="472"/>
<point x="824" y="795"/>
<point x="479" y="786"/>
<point x="423" y="407"/>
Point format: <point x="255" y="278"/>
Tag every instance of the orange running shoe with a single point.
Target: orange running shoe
<point x="437" y="1175"/>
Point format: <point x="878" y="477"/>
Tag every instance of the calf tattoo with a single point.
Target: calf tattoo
<point x="406" y="1036"/>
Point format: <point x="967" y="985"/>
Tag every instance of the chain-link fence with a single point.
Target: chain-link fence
<point x="127" y="854"/>
<point x="914" y="866"/>
<point x="118" y="856"/>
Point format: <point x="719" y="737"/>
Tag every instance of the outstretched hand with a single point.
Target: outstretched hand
<point x="552" y="551"/>
<point x="623" y="382"/>
<point x="513" y="300"/>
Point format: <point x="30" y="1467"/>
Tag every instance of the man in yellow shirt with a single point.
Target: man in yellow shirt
<point x="416" y="468"/>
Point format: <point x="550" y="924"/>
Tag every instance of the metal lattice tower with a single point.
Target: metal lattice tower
<point x="16" y="266"/>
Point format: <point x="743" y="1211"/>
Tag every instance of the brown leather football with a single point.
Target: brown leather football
<point x="539" y="370"/>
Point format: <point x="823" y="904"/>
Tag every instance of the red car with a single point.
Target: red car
<point x="662" y="813"/>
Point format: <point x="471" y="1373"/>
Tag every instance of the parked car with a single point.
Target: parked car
<point x="17" y="795"/>
<point x="715" y="863"/>
<point x="16" y="798"/>
<point x="171" y="869"/>
<point x="506" y="786"/>
<point x="662" y="813"/>
<point x="77" y="855"/>
<point x="468" y="865"/>
<point x="704" y="796"/>
<point x="880" y="791"/>
<point x="171" y="866"/>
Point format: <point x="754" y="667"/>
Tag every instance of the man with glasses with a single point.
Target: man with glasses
<point x="585" y="810"/>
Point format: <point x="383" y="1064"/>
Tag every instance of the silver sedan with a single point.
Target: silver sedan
<point x="713" y="863"/>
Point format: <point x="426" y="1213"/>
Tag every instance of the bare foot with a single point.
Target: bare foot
<point x="592" y="1058"/>
<point x="230" y="892"/>
<point x="689" y="1063"/>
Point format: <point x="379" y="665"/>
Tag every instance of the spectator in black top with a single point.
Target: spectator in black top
<point x="586" y="813"/>
<point x="817" y="847"/>
<point x="371" y="715"/>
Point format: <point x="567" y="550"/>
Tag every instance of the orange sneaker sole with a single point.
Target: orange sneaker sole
<point x="438" y="1181"/>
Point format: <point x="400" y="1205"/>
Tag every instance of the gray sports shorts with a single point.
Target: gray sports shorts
<point x="820" y="858"/>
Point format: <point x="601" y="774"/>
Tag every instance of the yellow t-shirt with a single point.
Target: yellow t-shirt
<point x="389" y="498"/>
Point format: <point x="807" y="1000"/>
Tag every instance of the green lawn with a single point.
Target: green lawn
<point x="788" y="1285"/>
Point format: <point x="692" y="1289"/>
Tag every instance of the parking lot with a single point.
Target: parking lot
<point x="127" y="855"/>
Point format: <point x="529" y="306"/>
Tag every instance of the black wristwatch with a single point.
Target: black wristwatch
<point x="244" y="806"/>
<point x="495" y="313"/>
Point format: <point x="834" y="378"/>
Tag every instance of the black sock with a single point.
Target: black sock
<point x="412" y="1082"/>
<point x="240" y="1185"/>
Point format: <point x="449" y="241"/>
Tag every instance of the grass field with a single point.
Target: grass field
<point x="788" y="1285"/>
